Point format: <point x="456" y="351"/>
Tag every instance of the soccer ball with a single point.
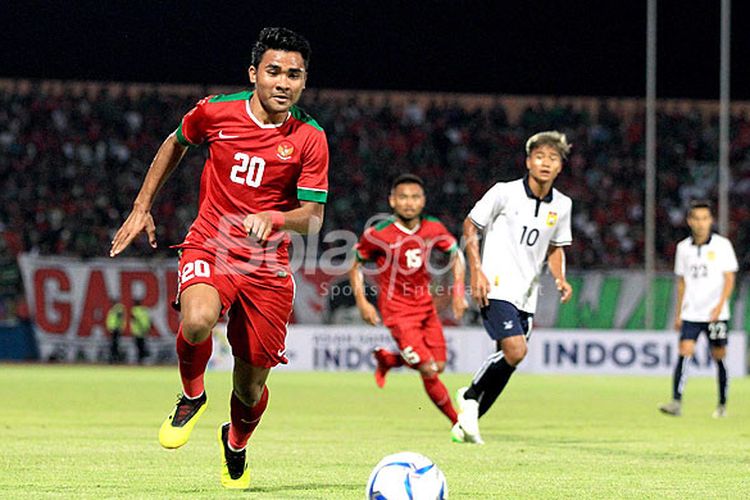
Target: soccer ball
<point x="408" y="476"/>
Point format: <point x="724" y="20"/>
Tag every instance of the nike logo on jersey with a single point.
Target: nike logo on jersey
<point x="222" y="135"/>
<point x="281" y="352"/>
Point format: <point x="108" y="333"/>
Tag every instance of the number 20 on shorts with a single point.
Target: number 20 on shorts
<point x="198" y="267"/>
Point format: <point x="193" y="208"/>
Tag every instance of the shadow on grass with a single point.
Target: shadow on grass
<point x="309" y="486"/>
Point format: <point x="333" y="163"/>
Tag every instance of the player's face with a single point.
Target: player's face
<point x="279" y="80"/>
<point x="700" y="222"/>
<point x="544" y="164"/>
<point x="407" y="200"/>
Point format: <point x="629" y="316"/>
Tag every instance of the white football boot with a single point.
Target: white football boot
<point x="468" y="417"/>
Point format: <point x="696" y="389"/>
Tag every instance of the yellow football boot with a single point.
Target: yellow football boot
<point x="176" y="428"/>
<point x="234" y="472"/>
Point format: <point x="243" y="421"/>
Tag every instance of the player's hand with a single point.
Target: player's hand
<point x="258" y="225"/>
<point x="678" y="322"/>
<point x="369" y="313"/>
<point x="566" y="291"/>
<point x="459" y="306"/>
<point x="715" y="312"/>
<point x="480" y="287"/>
<point x="138" y="220"/>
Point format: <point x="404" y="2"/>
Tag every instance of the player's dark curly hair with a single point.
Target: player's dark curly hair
<point x="280" y="39"/>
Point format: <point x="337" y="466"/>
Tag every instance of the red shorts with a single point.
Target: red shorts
<point x="419" y="337"/>
<point x="258" y="308"/>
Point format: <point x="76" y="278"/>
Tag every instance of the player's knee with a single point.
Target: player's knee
<point x="687" y="349"/>
<point x="249" y="394"/>
<point x="440" y="366"/>
<point x="428" y="370"/>
<point x="197" y="323"/>
<point x="515" y="354"/>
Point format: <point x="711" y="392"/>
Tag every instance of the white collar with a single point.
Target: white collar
<point x="261" y="124"/>
<point x="405" y="229"/>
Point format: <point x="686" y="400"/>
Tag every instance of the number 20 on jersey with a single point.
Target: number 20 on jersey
<point x="248" y="171"/>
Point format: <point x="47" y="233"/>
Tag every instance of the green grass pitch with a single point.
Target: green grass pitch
<point x="77" y="431"/>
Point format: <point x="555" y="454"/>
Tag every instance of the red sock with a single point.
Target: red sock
<point x="391" y="359"/>
<point x="192" y="360"/>
<point x="439" y="395"/>
<point x="245" y="419"/>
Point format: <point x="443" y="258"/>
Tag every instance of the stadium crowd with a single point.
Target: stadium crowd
<point x="71" y="162"/>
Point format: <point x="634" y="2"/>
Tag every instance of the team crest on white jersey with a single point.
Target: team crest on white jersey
<point x="285" y="150"/>
<point x="551" y="219"/>
<point x="711" y="255"/>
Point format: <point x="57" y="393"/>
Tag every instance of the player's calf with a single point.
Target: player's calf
<point x="437" y="391"/>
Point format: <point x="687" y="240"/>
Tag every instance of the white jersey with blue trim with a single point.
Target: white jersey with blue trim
<point x="703" y="267"/>
<point x="518" y="228"/>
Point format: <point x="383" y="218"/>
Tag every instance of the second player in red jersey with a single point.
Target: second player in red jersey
<point x="400" y="249"/>
<point x="267" y="172"/>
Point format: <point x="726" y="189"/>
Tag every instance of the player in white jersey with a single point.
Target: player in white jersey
<point x="705" y="264"/>
<point x="523" y="223"/>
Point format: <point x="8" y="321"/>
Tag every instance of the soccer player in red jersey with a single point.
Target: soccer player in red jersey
<point x="400" y="247"/>
<point x="266" y="173"/>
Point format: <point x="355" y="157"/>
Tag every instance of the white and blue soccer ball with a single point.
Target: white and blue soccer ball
<point x="406" y="476"/>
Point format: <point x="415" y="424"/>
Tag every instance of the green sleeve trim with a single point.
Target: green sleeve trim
<point x="302" y="116"/>
<point x="384" y="224"/>
<point x="237" y="96"/>
<point x="453" y="248"/>
<point x="359" y="257"/>
<point x="182" y="139"/>
<point x="316" y="195"/>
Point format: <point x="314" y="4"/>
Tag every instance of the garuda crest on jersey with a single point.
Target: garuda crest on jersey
<point x="285" y="150"/>
<point x="551" y="219"/>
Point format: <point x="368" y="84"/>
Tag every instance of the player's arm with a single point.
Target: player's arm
<point x="307" y="219"/>
<point x="367" y="310"/>
<point x="479" y="284"/>
<point x="556" y="263"/>
<point x="166" y="160"/>
<point x="458" y="298"/>
<point x="678" y="308"/>
<point x="726" y="292"/>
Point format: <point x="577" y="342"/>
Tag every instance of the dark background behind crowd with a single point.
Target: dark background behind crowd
<point x="72" y="162"/>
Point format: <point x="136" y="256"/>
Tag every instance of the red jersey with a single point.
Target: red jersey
<point x="251" y="167"/>
<point x="401" y="256"/>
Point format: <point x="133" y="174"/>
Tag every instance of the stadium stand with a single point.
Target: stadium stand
<point x="72" y="156"/>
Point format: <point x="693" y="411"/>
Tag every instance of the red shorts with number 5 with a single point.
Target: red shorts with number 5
<point x="419" y="337"/>
<point x="258" y="308"/>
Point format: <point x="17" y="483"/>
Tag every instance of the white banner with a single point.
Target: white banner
<point x="349" y="348"/>
<point x="623" y="353"/>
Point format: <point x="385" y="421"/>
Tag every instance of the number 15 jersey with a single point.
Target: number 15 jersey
<point x="401" y="256"/>
<point x="517" y="229"/>
<point x="252" y="167"/>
